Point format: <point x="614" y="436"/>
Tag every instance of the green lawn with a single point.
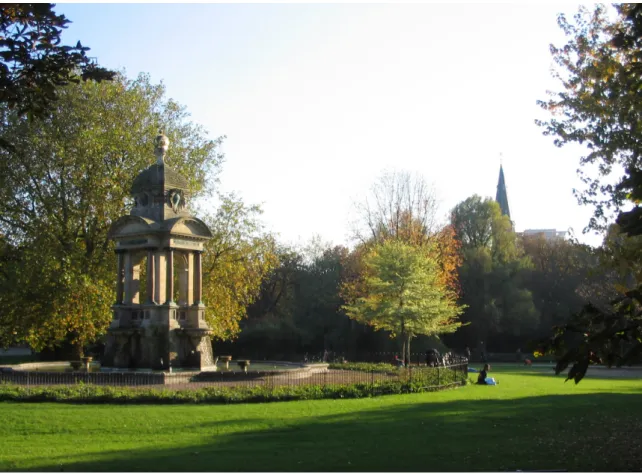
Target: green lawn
<point x="531" y="421"/>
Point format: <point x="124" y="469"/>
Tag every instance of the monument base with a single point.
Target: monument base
<point x="159" y="348"/>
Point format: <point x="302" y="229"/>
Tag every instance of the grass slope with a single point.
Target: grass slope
<point x="531" y="421"/>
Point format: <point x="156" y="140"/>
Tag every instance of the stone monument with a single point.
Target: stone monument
<point x="159" y="317"/>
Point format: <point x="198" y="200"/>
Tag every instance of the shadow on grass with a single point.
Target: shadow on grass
<point x="592" y="373"/>
<point x="573" y="432"/>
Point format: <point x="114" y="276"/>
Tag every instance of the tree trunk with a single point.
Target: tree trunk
<point x="79" y="353"/>
<point x="407" y="354"/>
<point x="403" y="338"/>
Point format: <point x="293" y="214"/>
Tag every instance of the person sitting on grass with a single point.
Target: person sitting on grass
<point x="483" y="373"/>
<point x="484" y="379"/>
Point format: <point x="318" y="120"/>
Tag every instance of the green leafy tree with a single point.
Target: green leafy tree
<point x="599" y="104"/>
<point x="236" y="261"/>
<point x="63" y="184"/>
<point x="277" y="299"/>
<point x="298" y="309"/>
<point x="599" y="107"/>
<point x="33" y="63"/>
<point x="401" y="207"/>
<point x="269" y="329"/>
<point x="318" y="314"/>
<point x="622" y="254"/>
<point x="402" y="294"/>
<point x="499" y="305"/>
<point x="565" y="275"/>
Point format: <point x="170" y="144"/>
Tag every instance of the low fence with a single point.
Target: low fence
<point x="419" y="358"/>
<point x="416" y="358"/>
<point x="414" y="378"/>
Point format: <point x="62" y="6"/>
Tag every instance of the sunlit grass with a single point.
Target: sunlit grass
<point x="530" y="421"/>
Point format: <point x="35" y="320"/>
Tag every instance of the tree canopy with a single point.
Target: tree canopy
<point x="492" y="276"/>
<point x="402" y="294"/>
<point x="236" y="261"/>
<point x="401" y="206"/>
<point x="33" y="63"/>
<point x="599" y="107"/>
<point x="69" y="177"/>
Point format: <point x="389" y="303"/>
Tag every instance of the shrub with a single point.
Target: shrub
<point x="405" y="381"/>
<point x="377" y="367"/>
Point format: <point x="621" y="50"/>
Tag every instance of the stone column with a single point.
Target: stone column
<point x="119" y="278"/>
<point x="190" y="278"/>
<point x="135" y="283"/>
<point x="160" y="276"/>
<point x="170" y="276"/>
<point x="198" y="277"/>
<point x="150" y="276"/>
<point x="129" y="278"/>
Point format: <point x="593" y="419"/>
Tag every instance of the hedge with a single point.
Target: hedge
<point x="96" y="394"/>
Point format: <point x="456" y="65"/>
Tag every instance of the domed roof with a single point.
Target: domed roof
<point x="158" y="175"/>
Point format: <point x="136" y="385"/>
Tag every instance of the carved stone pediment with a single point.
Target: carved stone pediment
<point x="188" y="226"/>
<point x="131" y="225"/>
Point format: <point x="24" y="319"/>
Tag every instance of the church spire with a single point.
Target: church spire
<point x="502" y="197"/>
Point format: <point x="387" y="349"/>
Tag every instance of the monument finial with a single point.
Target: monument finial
<point x="161" y="144"/>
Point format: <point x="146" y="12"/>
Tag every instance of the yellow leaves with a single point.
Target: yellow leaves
<point x="235" y="263"/>
<point x="400" y="287"/>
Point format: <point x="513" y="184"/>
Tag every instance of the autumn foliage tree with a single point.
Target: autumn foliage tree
<point x="236" y="261"/>
<point x="69" y="177"/>
<point x="401" y="209"/>
<point x="402" y="206"/>
<point x="402" y="294"/>
<point x="62" y="185"/>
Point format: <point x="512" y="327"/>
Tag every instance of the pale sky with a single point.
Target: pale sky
<point x="317" y="101"/>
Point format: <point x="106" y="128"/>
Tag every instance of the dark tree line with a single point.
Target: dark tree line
<point x="516" y="289"/>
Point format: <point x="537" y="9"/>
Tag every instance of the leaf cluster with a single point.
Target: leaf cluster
<point x="599" y="104"/>
<point x="236" y="261"/>
<point x="34" y="63"/>
<point x="402" y="293"/>
<point x="595" y="336"/>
